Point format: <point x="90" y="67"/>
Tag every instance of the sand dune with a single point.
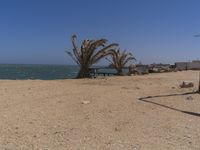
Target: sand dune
<point x="43" y="115"/>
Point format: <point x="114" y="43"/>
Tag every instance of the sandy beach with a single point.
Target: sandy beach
<point x="50" y="115"/>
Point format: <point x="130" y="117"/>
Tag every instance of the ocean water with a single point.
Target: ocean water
<point x="43" y="72"/>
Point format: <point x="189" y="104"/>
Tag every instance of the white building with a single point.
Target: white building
<point x="194" y="65"/>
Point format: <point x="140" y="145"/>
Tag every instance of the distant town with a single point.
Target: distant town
<point x="159" y="68"/>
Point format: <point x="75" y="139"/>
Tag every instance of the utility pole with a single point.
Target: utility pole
<point x="198" y="35"/>
<point x="199" y="84"/>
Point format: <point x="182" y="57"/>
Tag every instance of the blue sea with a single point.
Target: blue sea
<point x="43" y="72"/>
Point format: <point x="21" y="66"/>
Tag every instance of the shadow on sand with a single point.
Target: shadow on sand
<point x="145" y="99"/>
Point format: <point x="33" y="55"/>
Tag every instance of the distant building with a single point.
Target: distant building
<point x="181" y="65"/>
<point x="194" y="65"/>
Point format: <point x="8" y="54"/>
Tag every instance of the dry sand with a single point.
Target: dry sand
<point x="50" y="115"/>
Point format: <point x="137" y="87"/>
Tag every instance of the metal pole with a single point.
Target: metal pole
<point x="198" y="35"/>
<point x="199" y="84"/>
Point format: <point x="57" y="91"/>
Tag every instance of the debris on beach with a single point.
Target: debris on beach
<point x="85" y="102"/>
<point x="189" y="98"/>
<point x="187" y="84"/>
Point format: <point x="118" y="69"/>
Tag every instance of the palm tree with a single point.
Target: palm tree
<point x="119" y="59"/>
<point x="89" y="53"/>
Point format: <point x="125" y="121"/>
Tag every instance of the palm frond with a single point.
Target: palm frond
<point x="120" y="58"/>
<point x="94" y="45"/>
<point x="72" y="56"/>
<point x="76" y="50"/>
<point x="103" y="52"/>
<point x="127" y="60"/>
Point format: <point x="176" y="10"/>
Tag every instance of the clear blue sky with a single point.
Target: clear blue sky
<point x="39" y="31"/>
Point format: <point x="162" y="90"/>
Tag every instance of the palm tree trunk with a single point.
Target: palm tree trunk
<point x="84" y="72"/>
<point x="120" y="72"/>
